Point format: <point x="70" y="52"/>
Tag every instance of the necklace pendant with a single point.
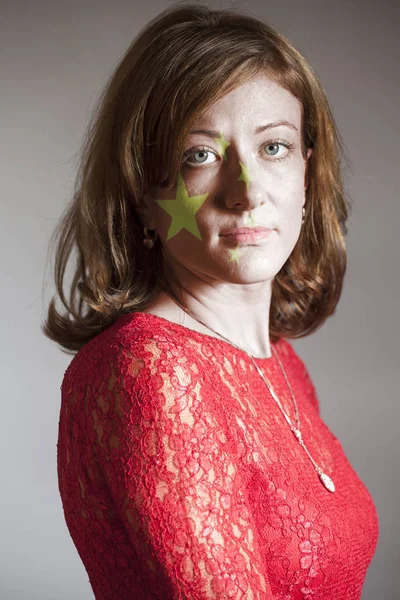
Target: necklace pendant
<point x="327" y="481"/>
<point x="297" y="433"/>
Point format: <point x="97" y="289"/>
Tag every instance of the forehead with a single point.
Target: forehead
<point x="256" y="102"/>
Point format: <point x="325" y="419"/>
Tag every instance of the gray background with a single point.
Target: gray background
<point x="55" y="58"/>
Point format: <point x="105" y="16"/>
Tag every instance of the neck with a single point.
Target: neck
<point x="244" y="324"/>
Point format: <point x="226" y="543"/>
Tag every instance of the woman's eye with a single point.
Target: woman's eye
<point x="199" y="156"/>
<point x="272" y="148"/>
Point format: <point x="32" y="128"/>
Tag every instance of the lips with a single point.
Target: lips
<point x="246" y="230"/>
<point x="249" y="237"/>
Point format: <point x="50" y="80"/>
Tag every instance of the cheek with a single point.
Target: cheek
<point x="199" y="179"/>
<point x="176" y="212"/>
<point x="289" y="202"/>
<point x="290" y="182"/>
<point x="292" y="173"/>
<point x="291" y="212"/>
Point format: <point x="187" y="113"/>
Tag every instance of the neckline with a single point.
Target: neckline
<point x="199" y="335"/>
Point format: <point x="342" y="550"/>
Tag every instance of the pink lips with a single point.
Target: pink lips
<point x="245" y="230"/>
<point x="248" y="234"/>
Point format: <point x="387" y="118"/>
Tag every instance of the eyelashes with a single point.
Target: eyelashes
<point x="204" y="150"/>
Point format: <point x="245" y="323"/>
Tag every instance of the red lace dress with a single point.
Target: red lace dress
<point x="181" y="479"/>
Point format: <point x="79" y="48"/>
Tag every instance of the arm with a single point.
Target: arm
<point x="174" y="483"/>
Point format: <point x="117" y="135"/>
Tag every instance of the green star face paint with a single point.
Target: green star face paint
<point x="183" y="210"/>
<point x="222" y="145"/>
<point x="245" y="175"/>
<point x="237" y="253"/>
<point x="249" y="220"/>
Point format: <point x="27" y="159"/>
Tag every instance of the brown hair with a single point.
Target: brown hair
<point x="183" y="61"/>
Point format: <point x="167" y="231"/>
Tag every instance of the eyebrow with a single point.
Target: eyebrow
<point x="213" y="133"/>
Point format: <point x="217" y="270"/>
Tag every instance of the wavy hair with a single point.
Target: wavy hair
<point x="181" y="63"/>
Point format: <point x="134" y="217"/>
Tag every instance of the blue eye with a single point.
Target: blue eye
<point x="272" y="146"/>
<point x="200" y="156"/>
<point x="275" y="144"/>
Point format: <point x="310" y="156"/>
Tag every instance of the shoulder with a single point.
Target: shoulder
<point x="298" y="370"/>
<point x="132" y="343"/>
<point x="292" y="359"/>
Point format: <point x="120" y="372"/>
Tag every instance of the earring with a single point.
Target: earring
<point x="149" y="240"/>
<point x="304" y="215"/>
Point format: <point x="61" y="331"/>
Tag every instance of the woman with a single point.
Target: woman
<point x="192" y="458"/>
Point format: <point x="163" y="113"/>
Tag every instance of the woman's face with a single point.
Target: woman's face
<point x="240" y="169"/>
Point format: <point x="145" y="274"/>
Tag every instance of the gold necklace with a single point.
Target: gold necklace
<point x="324" y="478"/>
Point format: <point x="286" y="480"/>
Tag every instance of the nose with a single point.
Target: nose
<point x="244" y="188"/>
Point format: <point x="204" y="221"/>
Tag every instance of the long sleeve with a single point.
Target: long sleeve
<point x="174" y="483"/>
<point x="181" y="479"/>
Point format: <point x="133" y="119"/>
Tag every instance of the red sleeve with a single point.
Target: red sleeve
<point x="310" y="390"/>
<point x="174" y="481"/>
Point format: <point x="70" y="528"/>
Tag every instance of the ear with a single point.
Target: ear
<point x="306" y="174"/>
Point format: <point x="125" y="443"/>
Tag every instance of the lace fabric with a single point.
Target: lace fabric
<point x="181" y="479"/>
